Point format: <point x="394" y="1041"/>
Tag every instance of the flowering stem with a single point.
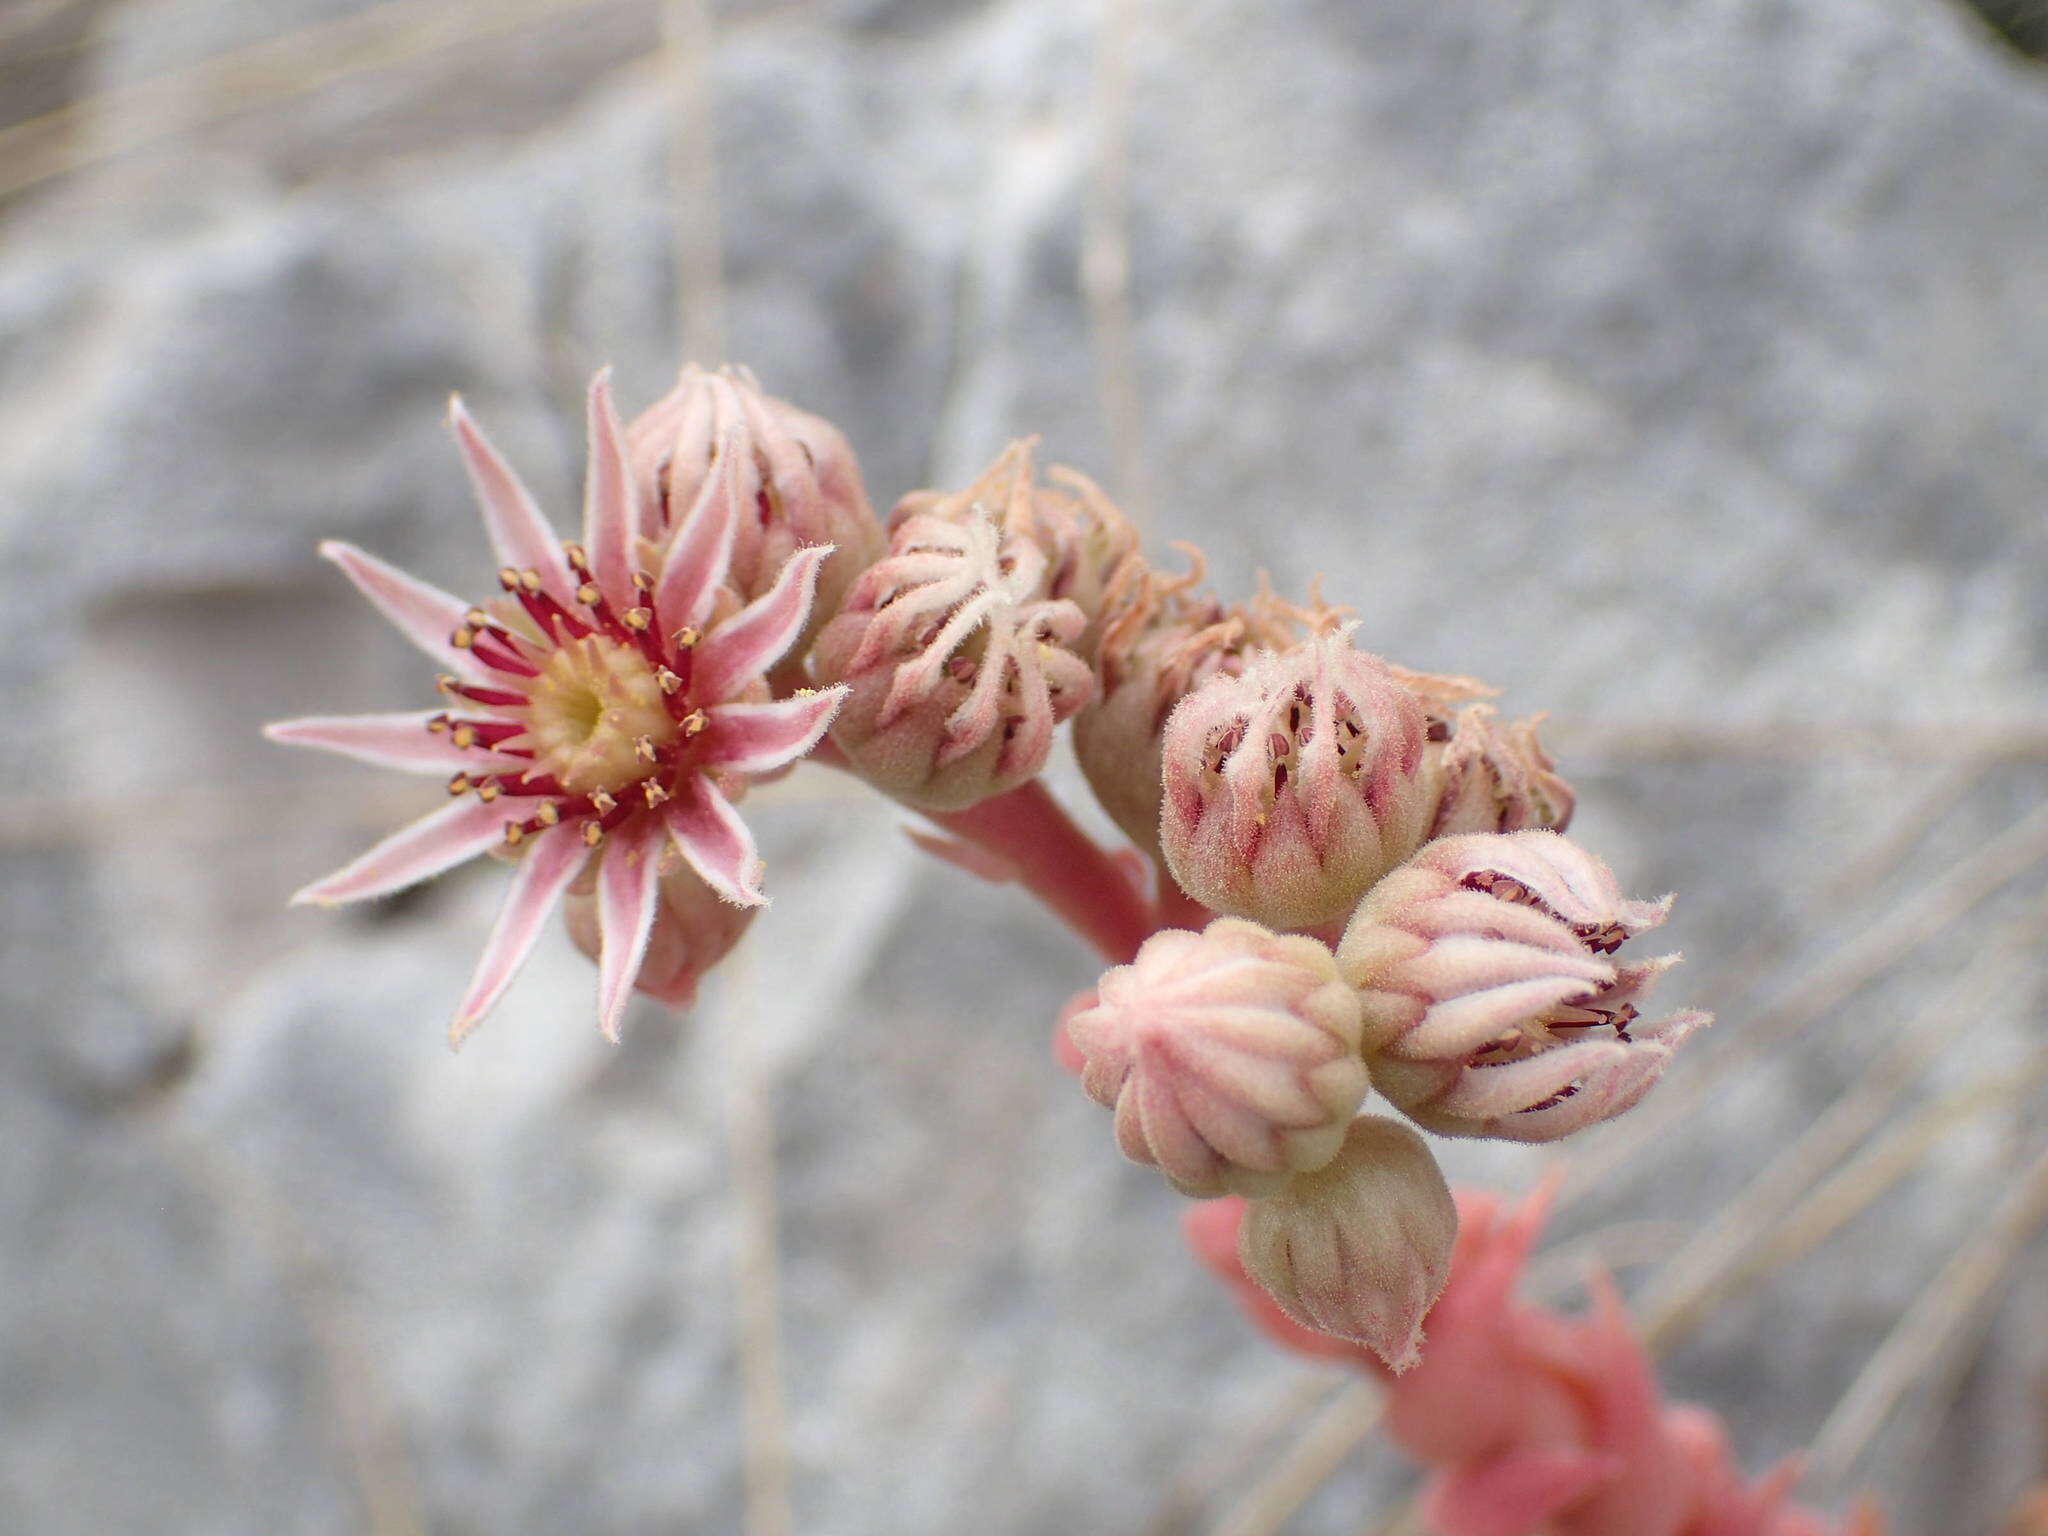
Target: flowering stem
<point x="1059" y="864"/>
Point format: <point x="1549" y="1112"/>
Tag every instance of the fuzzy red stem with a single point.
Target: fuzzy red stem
<point x="1059" y="864"/>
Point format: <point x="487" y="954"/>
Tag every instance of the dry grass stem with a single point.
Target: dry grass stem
<point x="1106" y="254"/>
<point x="1938" y="1315"/>
<point x="1336" y="1432"/>
<point x="1876" y="1169"/>
<point x="689" y="41"/>
<point x="757" y="1270"/>
<point x="262" y="74"/>
<point x="1926" y="913"/>
<point x="1672" y="1301"/>
<point x="1233" y="1449"/>
<point x="366" y="1416"/>
<point x="1686" y="740"/>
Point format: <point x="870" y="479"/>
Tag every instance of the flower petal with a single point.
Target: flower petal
<point x="424" y="614"/>
<point x="745" y="645"/>
<point x="520" y="535"/>
<point x="759" y="738"/>
<point x="700" y="554"/>
<point x="554" y="859"/>
<point x="610" y="509"/>
<point x="400" y="741"/>
<point x="433" y="843"/>
<point x="718" y="845"/>
<point x="628" y="891"/>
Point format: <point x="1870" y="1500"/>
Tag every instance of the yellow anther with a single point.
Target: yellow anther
<point x="446" y="682"/>
<point x="655" y="793"/>
<point x="437" y="724"/>
<point x="508" y="578"/>
<point x="514" y="833"/>
<point x="587" y="594"/>
<point x="459" y="785"/>
<point x="593" y="834"/>
<point x="465" y="736"/>
<point x="670" y="683"/>
<point x="694" y="722"/>
<point x="530" y="580"/>
<point x="686" y="637"/>
<point x="487" y="791"/>
<point x="476" y="618"/>
<point x="604" y="802"/>
<point x="462" y="639"/>
<point x="575" y="556"/>
<point x="643" y="748"/>
<point x="642" y="582"/>
<point x="637" y="619"/>
<point x="547" y="813"/>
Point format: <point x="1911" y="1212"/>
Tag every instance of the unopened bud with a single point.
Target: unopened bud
<point x="1163" y="639"/>
<point x="1088" y="544"/>
<point x="1290" y="789"/>
<point x="1361" y="1247"/>
<point x="1230" y="1057"/>
<point x="1492" y="1006"/>
<point x="959" y="671"/>
<point x="799" y="483"/>
<point x="1490" y="778"/>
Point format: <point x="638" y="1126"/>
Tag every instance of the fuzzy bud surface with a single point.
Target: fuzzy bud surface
<point x="1490" y="778"/>
<point x="1230" y="1057"/>
<point x="1163" y="639"/>
<point x="1493" y="1004"/>
<point x="1290" y="789"/>
<point x="960" y="667"/>
<point x="1360" y="1248"/>
<point x="798" y="481"/>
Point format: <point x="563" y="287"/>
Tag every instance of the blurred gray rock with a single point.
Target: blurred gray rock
<point x="1671" y="366"/>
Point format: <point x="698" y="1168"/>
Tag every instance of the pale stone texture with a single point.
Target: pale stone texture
<point x="1671" y="363"/>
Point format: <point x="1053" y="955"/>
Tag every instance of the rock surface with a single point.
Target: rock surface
<point x="1677" y="368"/>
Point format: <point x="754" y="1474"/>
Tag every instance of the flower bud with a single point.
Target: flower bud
<point x="1090" y="547"/>
<point x="1161" y="640"/>
<point x="960" y="670"/>
<point x="1361" y="1247"/>
<point x="693" y="930"/>
<point x="798" y="476"/>
<point x="1492" y="1007"/>
<point x="1290" y="789"/>
<point x="1484" y="778"/>
<point x="1230" y="1057"/>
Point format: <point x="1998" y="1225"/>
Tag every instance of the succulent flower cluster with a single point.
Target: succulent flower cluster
<point x="1346" y="877"/>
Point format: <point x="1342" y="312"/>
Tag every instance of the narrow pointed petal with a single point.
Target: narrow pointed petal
<point x="433" y="843"/>
<point x="748" y="643"/>
<point x="718" y="845"/>
<point x="610" y="510"/>
<point x="424" y="614"/>
<point x="554" y="860"/>
<point x="520" y="535"/>
<point x="700" y="554"/>
<point x="628" y="891"/>
<point x="759" y="738"/>
<point x="400" y="741"/>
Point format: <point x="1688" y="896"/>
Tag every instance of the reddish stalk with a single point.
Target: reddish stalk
<point x="1061" y="865"/>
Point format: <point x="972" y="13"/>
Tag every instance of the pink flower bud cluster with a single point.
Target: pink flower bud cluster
<point x="1526" y="1419"/>
<point x="1394" y="907"/>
